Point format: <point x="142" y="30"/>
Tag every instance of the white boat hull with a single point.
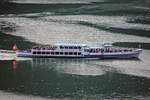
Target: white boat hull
<point x="129" y="54"/>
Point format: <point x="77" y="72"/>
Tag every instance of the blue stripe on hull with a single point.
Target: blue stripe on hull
<point x="100" y="57"/>
<point x="120" y="56"/>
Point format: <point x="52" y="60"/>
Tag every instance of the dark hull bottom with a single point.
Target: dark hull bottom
<point x="126" y="56"/>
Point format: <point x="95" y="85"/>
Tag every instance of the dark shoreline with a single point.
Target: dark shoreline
<point x="141" y="45"/>
<point x="7" y="41"/>
<point x="17" y="8"/>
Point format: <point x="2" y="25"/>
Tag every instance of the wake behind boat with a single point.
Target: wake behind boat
<point x="63" y="50"/>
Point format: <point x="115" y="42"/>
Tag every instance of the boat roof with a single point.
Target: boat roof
<point x="97" y="47"/>
<point x="108" y="44"/>
<point x="71" y="44"/>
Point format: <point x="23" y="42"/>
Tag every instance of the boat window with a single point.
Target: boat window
<point x="79" y="53"/>
<point x="61" y="47"/>
<point x="66" y="47"/>
<point x="94" y="50"/>
<point x="47" y="52"/>
<point x="70" y="47"/>
<point x="79" y="47"/>
<point x="75" y="53"/>
<point x="61" y="53"/>
<point x="43" y="52"/>
<point x="52" y="53"/>
<point x="91" y="50"/>
<point x="86" y="50"/>
<point x="39" y="52"/>
<point x="70" y="53"/>
<point x="57" y="53"/>
<point x="34" y="52"/>
<point x="66" y="53"/>
<point x="75" y="47"/>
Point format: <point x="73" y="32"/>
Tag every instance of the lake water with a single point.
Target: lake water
<point x="124" y="23"/>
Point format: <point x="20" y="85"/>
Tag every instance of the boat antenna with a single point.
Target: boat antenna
<point x="139" y="46"/>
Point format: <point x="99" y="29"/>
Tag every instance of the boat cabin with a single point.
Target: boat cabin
<point x="59" y="49"/>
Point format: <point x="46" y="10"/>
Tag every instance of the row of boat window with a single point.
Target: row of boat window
<point x="58" y="53"/>
<point x="45" y="48"/>
<point x="61" y="47"/>
<point x="70" y="47"/>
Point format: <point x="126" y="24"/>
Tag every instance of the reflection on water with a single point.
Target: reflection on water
<point x="75" y="78"/>
<point x="96" y="67"/>
<point x="72" y="66"/>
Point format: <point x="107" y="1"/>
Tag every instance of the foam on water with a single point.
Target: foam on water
<point x="11" y="56"/>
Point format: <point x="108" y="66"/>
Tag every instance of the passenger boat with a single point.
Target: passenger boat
<point x="63" y="50"/>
